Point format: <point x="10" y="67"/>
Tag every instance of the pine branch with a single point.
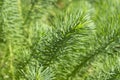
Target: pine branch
<point x="89" y="58"/>
<point x="35" y="72"/>
<point x="80" y="44"/>
<point x="12" y="33"/>
<point x="91" y="55"/>
<point x="55" y="47"/>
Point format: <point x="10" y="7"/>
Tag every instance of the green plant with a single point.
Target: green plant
<point x="59" y="40"/>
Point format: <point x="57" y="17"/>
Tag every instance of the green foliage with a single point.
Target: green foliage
<point x="35" y="72"/>
<point x="59" y="40"/>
